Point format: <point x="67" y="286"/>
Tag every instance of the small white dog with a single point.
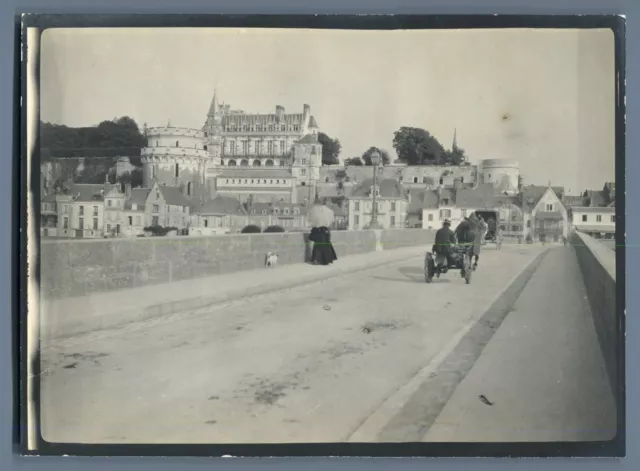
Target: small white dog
<point x="271" y="260"/>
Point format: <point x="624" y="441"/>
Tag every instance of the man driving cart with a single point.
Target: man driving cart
<point x="444" y="241"/>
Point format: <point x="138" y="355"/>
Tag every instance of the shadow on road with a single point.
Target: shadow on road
<point x="411" y="275"/>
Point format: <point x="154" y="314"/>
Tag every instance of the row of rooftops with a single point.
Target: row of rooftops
<point x="481" y="196"/>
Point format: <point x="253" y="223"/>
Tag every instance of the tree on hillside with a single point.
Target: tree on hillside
<point x="354" y="161"/>
<point x="330" y="149"/>
<point x="455" y="156"/>
<point x="115" y="138"/>
<point x="366" y="157"/>
<point x="417" y="146"/>
<point x="341" y="177"/>
<point x="134" y="178"/>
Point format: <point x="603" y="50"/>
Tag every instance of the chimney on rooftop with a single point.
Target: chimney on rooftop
<point x="306" y="110"/>
<point x="279" y="112"/>
<point x="127" y="190"/>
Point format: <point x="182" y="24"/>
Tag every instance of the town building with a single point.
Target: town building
<point x="544" y="212"/>
<point x="597" y="222"/>
<point x="77" y="211"/>
<point x="221" y="215"/>
<point x="289" y="216"/>
<point x="391" y="200"/>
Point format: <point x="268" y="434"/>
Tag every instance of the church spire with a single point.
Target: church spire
<point x="213" y="108"/>
<point x="454" y="146"/>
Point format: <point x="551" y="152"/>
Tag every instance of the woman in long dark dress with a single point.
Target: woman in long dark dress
<point x="323" y="252"/>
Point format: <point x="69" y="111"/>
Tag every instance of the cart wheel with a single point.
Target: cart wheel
<point x="429" y="268"/>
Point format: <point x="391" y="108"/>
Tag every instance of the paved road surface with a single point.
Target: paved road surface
<point x="310" y="364"/>
<point x="558" y="393"/>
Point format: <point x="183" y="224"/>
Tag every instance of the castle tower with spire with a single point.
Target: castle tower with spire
<point x="454" y="146"/>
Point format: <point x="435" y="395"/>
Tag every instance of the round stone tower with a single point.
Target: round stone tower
<point x="502" y="173"/>
<point x="175" y="157"/>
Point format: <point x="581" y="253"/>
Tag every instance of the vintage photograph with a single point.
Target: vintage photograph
<point x="281" y="236"/>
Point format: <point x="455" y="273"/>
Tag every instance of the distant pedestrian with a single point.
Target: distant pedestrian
<point x="323" y="252"/>
<point x="480" y="234"/>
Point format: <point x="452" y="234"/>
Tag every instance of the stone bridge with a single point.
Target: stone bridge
<point x="192" y="340"/>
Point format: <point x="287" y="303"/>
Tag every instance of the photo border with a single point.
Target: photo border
<point x="614" y="448"/>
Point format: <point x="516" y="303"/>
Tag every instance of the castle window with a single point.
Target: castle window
<point x="326" y="179"/>
<point x="177" y="170"/>
<point x="264" y="181"/>
<point x="415" y="179"/>
<point x="283" y="128"/>
<point x="204" y="147"/>
<point x="461" y="179"/>
<point x="269" y="163"/>
<point x="304" y="161"/>
<point x="303" y="171"/>
<point x="441" y="180"/>
<point x="314" y="150"/>
<point x="177" y="143"/>
<point x="296" y="128"/>
<point x="189" y="189"/>
<point x="232" y="163"/>
<point x="206" y="134"/>
<point x="256" y="163"/>
<point x="282" y="163"/>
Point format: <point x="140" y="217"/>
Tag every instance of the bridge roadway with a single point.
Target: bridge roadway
<point x="375" y="355"/>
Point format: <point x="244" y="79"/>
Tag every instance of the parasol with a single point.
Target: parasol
<point x="320" y="215"/>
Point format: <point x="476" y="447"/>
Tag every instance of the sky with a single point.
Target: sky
<point x="543" y="97"/>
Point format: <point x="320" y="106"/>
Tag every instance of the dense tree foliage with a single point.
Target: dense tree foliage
<point x="274" y="229"/>
<point x="354" y="161"/>
<point x="115" y="138"/>
<point x="251" y="229"/>
<point x="417" y="146"/>
<point x="366" y="157"/>
<point x="134" y="178"/>
<point x="330" y="149"/>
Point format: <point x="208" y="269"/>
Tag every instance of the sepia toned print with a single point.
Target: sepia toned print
<point x="321" y="236"/>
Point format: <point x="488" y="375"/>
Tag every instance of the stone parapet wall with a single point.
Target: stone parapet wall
<point x="82" y="267"/>
<point x="598" y="266"/>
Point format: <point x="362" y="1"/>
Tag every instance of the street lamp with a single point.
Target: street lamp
<point x="375" y="161"/>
